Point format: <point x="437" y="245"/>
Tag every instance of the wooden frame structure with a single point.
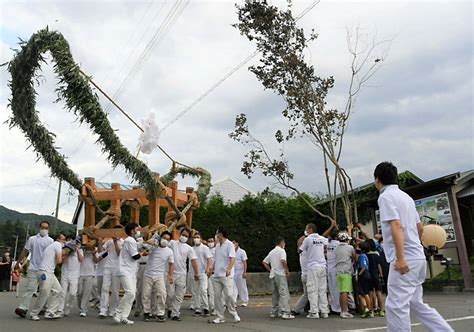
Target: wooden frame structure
<point x="138" y="196"/>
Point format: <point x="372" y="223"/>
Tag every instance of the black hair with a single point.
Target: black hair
<point x="166" y="233"/>
<point x="222" y="230"/>
<point x="387" y="173"/>
<point x="185" y="229"/>
<point x="43" y="222"/>
<point x="364" y="246"/>
<point x="279" y="240"/>
<point x="334" y="233"/>
<point x="372" y="244"/>
<point x="237" y="241"/>
<point x="312" y="227"/>
<point x="59" y="235"/>
<point x="129" y="228"/>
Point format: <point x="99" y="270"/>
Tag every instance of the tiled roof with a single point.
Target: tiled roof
<point x="230" y="190"/>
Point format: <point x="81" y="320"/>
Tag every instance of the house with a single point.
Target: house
<point x="230" y="190"/>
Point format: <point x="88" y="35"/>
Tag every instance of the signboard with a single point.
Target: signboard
<point x="432" y="209"/>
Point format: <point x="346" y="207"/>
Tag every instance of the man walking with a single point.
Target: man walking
<point x="86" y="281"/>
<point x="240" y="277"/>
<point x="70" y="273"/>
<point x="401" y="230"/>
<point x="276" y="264"/>
<point x="199" y="290"/>
<point x="35" y="247"/>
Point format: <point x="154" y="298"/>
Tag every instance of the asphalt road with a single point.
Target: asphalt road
<point x="458" y="309"/>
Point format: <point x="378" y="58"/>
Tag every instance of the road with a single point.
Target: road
<point x="458" y="309"/>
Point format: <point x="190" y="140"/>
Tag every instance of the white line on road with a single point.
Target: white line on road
<point x="416" y="324"/>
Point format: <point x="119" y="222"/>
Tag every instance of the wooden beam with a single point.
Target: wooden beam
<point x="110" y="233"/>
<point x="109" y="195"/>
<point x="115" y="204"/>
<point x="189" y="213"/>
<point x="89" y="214"/>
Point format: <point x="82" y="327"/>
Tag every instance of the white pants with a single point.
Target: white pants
<point x="110" y="284"/>
<point x="316" y="286"/>
<point x="50" y="291"/>
<point x="178" y="290"/>
<point x="97" y="289"/>
<point x="154" y="295"/>
<point x="84" y="291"/>
<point x="139" y="297"/>
<point x="69" y="294"/>
<point x="280" y="295"/>
<point x="240" y="288"/>
<point x="30" y="289"/>
<point x="223" y="293"/>
<point x="333" y="291"/>
<point x="199" y="291"/>
<point x="303" y="300"/>
<point x="129" y="285"/>
<point x="405" y="294"/>
<point x="210" y="291"/>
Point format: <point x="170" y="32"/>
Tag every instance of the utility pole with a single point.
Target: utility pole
<point x="57" y="207"/>
<point x="16" y="246"/>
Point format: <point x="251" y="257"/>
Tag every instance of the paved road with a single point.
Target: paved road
<point x="459" y="307"/>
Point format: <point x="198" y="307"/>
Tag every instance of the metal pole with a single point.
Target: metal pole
<point x="57" y="207"/>
<point x="16" y="246"/>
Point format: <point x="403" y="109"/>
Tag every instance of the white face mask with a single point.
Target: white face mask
<point x="138" y="234"/>
<point x="164" y="243"/>
<point x="197" y="241"/>
<point x="210" y="245"/>
<point x="43" y="232"/>
<point x="183" y="239"/>
<point x="305" y="233"/>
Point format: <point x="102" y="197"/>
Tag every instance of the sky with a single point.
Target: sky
<point x="417" y="111"/>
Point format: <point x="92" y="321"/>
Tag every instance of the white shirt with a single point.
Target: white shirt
<point x="303" y="264"/>
<point x="313" y="246"/>
<point x="274" y="258"/>
<point x="112" y="260"/>
<point x="128" y="265"/>
<point x="224" y="253"/>
<point x="71" y="267"/>
<point x="87" y="265"/>
<point x="36" y="246"/>
<point x="331" y="255"/>
<point x="182" y="252"/>
<point x="240" y="257"/>
<point x="99" y="272"/>
<point x="158" y="262"/>
<point x="48" y="263"/>
<point x="395" y="204"/>
<point x="203" y="253"/>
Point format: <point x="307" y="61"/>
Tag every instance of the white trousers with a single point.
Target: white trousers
<point x="109" y="292"/>
<point x="280" y="295"/>
<point x="405" y="296"/>
<point x="240" y="288"/>
<point x="154" y="295"/>
<point x="30" y="289"/>
<point x="210" y="292"/>
<point x="333" y="291"/>
<point x="69" y="294"/>
<point x="129" y="285"/>
<point x="303" y="300"/>
<point x="84" y="292"/>
<point x="50" y="291"/>
<point x="223" y="293"/>
<point x="178" y="289"/>
<point x="316" y="286"/>
<point x="199" y="292"/>
<point x="139" y="297"/>
<point x="97" y="289"/>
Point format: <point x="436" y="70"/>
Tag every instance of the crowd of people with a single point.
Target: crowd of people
<point x="340" y="274"/>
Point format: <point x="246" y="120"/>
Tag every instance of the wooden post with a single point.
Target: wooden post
<point x="189" y="213"/>
<point x="134" y="212"/>
<point x="89" y="215"/>
<point x="174" y="189"/>
<point x="115" y="204"/>
<point x="154" y="209"/>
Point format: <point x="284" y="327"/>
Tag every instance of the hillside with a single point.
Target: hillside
<point x="12" y="215"/>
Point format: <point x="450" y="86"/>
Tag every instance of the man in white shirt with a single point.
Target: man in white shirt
<point x="204" y="261"/>
<point x="70" y="273"/>
<point x="240" y="276"/>
<point x="35" y="247"/>
<point x="141" y="269"/>
<point x="110" y="282"/>
<point x="127" y="272"/>
<point x="86" y="281"/>
<point x="182" y="252"/>
<point x="276" y="264"/>
<point x="50" y="288"/>
<point x="223" y="282"/>
<point x="314" y="246"/>
<point x="100" y="259"/>
<point x="333" y="243"/>
<point x="402" y="230"/>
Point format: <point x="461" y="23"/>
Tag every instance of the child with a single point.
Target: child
<point x="363" y="277"/>
<point x="375" y="270"/>
<point x="15" y="279"/>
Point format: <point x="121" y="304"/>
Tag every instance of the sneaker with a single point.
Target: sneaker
<point x="324" y="315"/>
<point x="365" y="313"/>
<point x="197" y="313"/>
<point x="313" y="316"/>
<point x="176" y="318"/>
<point x="218" y="321"/>
<point x="236" y="318"/>
<point x="245" y="304"/>
<point x="169" y="313"/>
<point x="273" y="315"/>
<point x="287" y="316"/>
<point x="346" y="315"/>
<point x="116" y="319"/>
<point x="147" y="317"/>
<point x="35" y="318"/>
<point x="125" y="321"/>
<point x="294" y="313"/>
<point x="371" y="314"/>
<point x="82" y="314"/>
<point x="213" y="312"/>
<point x="160" y="319"/>
<point x="102" y="315"/>
<point x="20" y="312"/>
<point x="50" y="315"/>
<point x="382" y="313"/>
<point x="206" y="313"/>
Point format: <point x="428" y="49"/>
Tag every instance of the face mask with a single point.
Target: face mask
<point x="305" y="233"/>
<point x="183" y="239"/>
<point x="164" y="243"/>
<point x="138" y="235"/>
<point x="43" y="232"/>
<point x="210" y="245"/>
<point x="197" y="241"/>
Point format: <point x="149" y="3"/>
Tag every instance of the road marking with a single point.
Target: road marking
<point x="416" y="324"/>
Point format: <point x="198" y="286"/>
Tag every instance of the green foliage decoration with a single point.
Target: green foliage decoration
<point x="204" y="182"/>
